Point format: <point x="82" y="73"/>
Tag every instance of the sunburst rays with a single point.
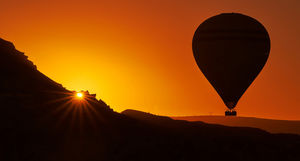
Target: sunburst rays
<point x="75" y="111"/>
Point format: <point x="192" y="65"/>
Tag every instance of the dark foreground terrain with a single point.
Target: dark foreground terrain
<point x="42" y="121"/>
<point x="272" y="126"/>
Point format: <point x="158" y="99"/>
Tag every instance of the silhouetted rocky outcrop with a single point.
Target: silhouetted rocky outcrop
<point x="42" y="121"/>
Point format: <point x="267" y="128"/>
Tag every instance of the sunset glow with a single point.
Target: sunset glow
<point x="138" y="54"/>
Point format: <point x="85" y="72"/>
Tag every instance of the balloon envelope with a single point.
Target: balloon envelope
<point x="230" y="50"/>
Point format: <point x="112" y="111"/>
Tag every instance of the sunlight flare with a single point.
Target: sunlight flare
<point x="79" y="95"/>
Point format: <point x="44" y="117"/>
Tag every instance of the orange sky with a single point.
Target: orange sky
<point x="138" y="53"/>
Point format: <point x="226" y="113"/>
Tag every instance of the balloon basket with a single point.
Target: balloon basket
<point x="230" y="113"/>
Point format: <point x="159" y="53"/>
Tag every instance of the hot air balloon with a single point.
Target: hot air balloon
<point x="231" y="49"/>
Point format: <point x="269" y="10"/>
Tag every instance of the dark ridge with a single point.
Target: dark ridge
<point x="270" y="125"/>
<point x="144" y="116"/>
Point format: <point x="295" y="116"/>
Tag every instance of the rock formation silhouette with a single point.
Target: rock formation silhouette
<point x="42" y="121"/>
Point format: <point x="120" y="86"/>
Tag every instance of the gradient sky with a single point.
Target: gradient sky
<point x="138" y="53"/>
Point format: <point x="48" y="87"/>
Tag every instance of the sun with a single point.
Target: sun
<point x="79" y="95"/>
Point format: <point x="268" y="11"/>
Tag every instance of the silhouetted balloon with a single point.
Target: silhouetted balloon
<point x="231" y="49"/>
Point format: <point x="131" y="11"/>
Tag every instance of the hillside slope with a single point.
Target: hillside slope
<point x="272" y="126"/>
